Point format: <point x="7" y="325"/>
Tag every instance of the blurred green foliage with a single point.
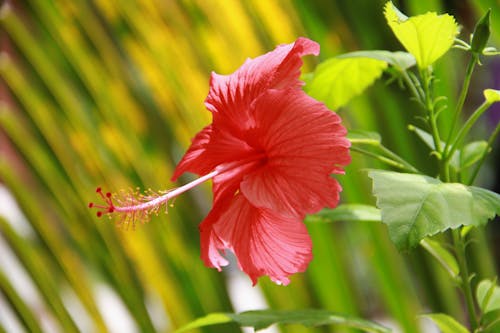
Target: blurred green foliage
<point x="109" y="93"/>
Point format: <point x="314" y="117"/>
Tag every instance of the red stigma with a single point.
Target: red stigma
<point x="107" y="207"/>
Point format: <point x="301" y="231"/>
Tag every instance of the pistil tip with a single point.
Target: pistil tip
<point x="107" y="207"/>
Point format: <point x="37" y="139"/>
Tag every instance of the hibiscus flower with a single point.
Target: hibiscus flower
<point x="270" y="151"/>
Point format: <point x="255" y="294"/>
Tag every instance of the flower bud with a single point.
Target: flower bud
<point x="481" y="34"/>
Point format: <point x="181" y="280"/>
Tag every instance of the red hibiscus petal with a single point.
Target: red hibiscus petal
<point x="211" y="244"/>
<point x="304" y="143"/>
<point x="231" y="95"/>
<point x="291" y="192"/>
<point x="225" y="186"/>
<point x="195" y="159"/>
<point x="264" y="242"/>
<point x="212" y="147"/>
<point x="227" y="183"/>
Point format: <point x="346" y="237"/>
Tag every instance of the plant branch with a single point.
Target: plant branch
<point x="461" y="100"/>
<point x="491" y="140"/>
<point x="384" y="159"/>
<point x="465" y="278"/>
<point x="414" y="89"/>
<point x="399" y="159"/>
<point x="464" y="130"/>
<point x="429" y="106"/>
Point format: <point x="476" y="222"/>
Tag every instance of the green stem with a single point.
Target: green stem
<point x="423" y="96"/>
<point x="429" y="106"/>
<point x="461" y="99"/>
<point x="381" y="158"/>
<point x="464" y="130"/>
<point x="491" y="140"/>
<point x="417" y="93"/>
<point x="399" y="159"/>
<point x="434" y="131"/>
<point x="465" y="285"/>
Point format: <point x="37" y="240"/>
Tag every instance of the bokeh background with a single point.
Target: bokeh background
<point x="109" y="93"/>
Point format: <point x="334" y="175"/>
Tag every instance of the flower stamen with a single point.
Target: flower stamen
<point x="133" y="206"/>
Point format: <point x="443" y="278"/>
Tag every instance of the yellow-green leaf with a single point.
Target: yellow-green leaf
<point x="399" y="60"/>
<point x="337" y="80"/>
<point x="492" y="95"/>
<point x="210" y="319"/>
<point x="446" y="323"/>
<point x="426" y="36"/>
<point x="488" y="295"/>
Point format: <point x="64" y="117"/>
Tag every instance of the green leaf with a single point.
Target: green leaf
<point x="210" y="319"/>
<point x="446" y="323"/>
<point x="490" y="322"/>
<point x="400" y="60"/>
<point x="492" y="95"/>
<point x="364" y="137"/>
<point x="416" y="206"/>
<point x="336" y="81"/>
<point x="472" y="153"/>
<point x="488" y="295"/>
<point x="260" y="319"/>
<point x="347" y="212"/>
<point x="426" y="36"/>
<point x="442" y="255"/>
